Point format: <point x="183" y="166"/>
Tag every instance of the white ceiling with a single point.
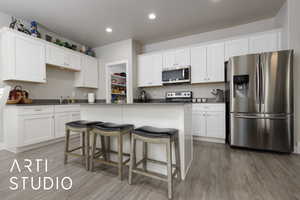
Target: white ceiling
<point x="85" y="21"/>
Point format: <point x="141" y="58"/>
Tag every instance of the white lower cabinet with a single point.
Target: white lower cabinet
<point x="26" y="126"/>
<point x="208" y="121"/>
<point x="36" y="128"/>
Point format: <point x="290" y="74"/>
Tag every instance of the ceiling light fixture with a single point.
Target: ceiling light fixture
<point x="109" y="30"/>
<point x="152" y="16"/>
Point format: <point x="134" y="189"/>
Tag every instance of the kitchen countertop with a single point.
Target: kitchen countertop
<point x="45" y="102"/>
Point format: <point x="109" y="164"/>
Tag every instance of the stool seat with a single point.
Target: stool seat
<point x="83" y="123"/>
<point x="113" y="127"/>
<point x="154" y="132"/>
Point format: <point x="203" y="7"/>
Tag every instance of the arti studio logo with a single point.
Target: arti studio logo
<point x="32" y="168"/>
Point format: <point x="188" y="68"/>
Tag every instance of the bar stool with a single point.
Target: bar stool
<point x="110" y="130"/>
<point x="83" y="127"/>
<point x="166" y="136"/>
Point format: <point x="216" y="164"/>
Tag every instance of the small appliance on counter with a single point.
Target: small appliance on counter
<point x="91" y="97"/>
<point x="180" y="96"/>
<point x="219" y="94"/>
<point x="143" y="96"/>
<point x="19" y="96"/>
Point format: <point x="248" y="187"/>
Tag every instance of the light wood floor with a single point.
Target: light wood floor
<point x="218" y="172"/>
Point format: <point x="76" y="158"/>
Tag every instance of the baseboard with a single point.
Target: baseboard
<point x="208" y="139"/>
<point x="38" y="145"/>
<point x="1" y="146"/>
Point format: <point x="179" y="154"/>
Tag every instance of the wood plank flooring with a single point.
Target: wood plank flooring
<point x="218" y="172"/>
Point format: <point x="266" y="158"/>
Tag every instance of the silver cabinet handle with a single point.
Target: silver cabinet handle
<point x="38" y="109"/>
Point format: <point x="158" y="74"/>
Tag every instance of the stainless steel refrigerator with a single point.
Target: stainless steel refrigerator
<point x="260" y="95"/>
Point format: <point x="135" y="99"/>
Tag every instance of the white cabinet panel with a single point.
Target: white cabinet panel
<point x="178" y="57"/>
<point x="150" y="70"/>
<point x="198" y="124"/>
<point x="215" y="126"/>
<point x="55" y="56"/>
<point x="182" y="57"/>
<point x="60" y="120"/>
<point x="22" y="58"/>
<point x="236" y="47"/>
<point x="209" y="121"/>
<point x="198" y="64"/>
<point x="215" y="62"/>
<point x="88" y="76"/>
<point x="36" y="128"/>
<point x="58" y="56"/>
<point x="264" y="42"/>
<point x="169" y="59"/>
<point x="74" y="60"/>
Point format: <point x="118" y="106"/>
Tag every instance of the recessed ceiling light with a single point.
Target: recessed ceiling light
<point x="152" y="16"/>
<point x="109" y="30"/>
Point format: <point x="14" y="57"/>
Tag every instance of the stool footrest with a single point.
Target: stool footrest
<point x="150" y="174"/>
<point x="77" y="148"/>
<point x="109" y="162"/>
<point x="74" y="154"/>
<point x="154" y="161"/>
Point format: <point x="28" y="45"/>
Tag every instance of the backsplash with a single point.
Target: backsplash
<point x="199" y="90"/>
<point x="59" y="83"/>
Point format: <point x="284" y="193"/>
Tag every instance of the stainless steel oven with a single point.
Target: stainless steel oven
<point x="176" y="75"/>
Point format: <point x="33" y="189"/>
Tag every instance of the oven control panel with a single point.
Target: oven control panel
<point x="181" y="94"/>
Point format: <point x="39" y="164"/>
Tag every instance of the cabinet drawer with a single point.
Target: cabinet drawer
<point x="35" y="110"/>
<point x="67" y="108"/>
<point x="208" y="107"/>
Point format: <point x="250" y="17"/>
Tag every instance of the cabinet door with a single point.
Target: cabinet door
<point x="55" y="56"/>
<point x="73" y="61"/>
<point x="30" y="60"/>
<point x="90" y="72"/>
<point x="150" y="70"/>
<point x="169" y="59"/>
<point x="236" y="48"/>
<point x="198" y="64"/>
<point x="198" y="124"/>
<point x="182" y="57"/>
<point x="60" y="123"/>
<point x="215" y="62"/>
<point x="144" y="66"/>
<point x="36" y="128"/>
<point x="264" y="43"/>
<point x="215" y="124"/>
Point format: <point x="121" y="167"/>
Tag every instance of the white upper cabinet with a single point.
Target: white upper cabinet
<point x="215" y="62"/>
<point x="150" y="70"/>
<point x="236" y="47"/>
<point x="61" y="57"/>
<point x="177" y="58"/>
<point x="265" y="42"/>
<point x="207" y="63"/>
<point x="198" y="64"/>
<point x="22" y="58"/>
<point x="88" y="76"/>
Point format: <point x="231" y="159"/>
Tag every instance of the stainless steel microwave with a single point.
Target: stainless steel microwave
<point x="176" y="75"/>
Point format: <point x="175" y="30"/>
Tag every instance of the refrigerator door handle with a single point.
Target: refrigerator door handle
<point x="257" y="82"/>
<point x="262" y="87"/>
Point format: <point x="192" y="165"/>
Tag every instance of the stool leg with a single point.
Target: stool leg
<point x="120" y="152"/>
<point x="87" y="149"/>
<point x="67" y="139"/>
<point x="132" y="159"/>
<point x="108" y="148"/>
<point x="83" y="146"/>
<point x="145" y="154"/>
<point x="103" y="147"/>
<point x="94" y="139"/>
<point x="178" y="161"/>
<point x="169" y="169"/>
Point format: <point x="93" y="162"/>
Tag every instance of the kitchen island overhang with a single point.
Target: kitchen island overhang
<point x="163" y="115"/>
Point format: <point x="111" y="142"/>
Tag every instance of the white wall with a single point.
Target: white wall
<point x="245" y="29"/>
<point x="282" y="20"/>
<point x="119" y="51"/>
<point x="293" y="7"/>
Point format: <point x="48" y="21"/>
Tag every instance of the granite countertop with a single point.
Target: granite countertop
<point x="45" y="102"/>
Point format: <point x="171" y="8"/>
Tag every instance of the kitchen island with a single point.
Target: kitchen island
<point x="164" y="115"/>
